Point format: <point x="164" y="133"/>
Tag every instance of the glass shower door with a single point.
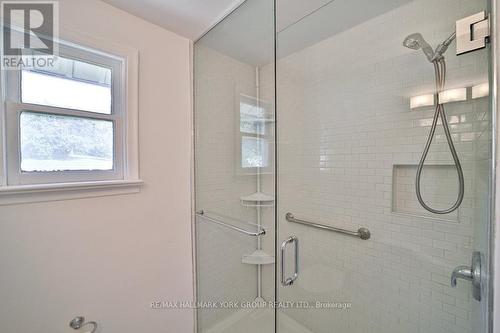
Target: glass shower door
<point x="357" y="97"/>
<point x="234" y="171"/>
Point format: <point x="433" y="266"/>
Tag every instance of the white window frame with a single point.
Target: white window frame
<point x="17" y="186"/>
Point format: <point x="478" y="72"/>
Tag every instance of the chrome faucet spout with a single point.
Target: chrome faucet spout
<point x="461" y="272"/>
<point x="471" y="273"/>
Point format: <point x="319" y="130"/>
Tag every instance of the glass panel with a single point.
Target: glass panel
<point x="253" y="116"/>
<point x="355" y="110"/>
<point x="254" y="152"/>
<point x="70" y="84"/>
<point x="61" y="143"/>
<point x="222" y="275"/>
<point x="234" y="117"/>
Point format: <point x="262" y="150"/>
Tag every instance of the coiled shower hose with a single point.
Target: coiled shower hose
<point x="440" y="72"/>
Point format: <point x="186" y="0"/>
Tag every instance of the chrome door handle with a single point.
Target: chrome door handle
<point x="472" y="273"/>
<point x="289" y="281"/>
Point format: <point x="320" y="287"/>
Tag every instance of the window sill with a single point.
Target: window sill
<point x="11" y="195"/>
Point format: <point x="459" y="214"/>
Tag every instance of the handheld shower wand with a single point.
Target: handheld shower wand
<point x="415" y="42"/>
<point x="443" y="47"/>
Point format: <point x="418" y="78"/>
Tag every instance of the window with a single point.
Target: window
<point x="73" y="92"/>
<point x="254" y="152"/>
<point x="51" y="143"/>
<point x="255" y="134"/>
<point x="68" y="123"/>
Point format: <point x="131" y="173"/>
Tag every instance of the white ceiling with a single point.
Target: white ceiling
<point x="245" y="35"/>
<point x="188" y="18"/>
<point x="191" y="18"/>
<point x="292" y="11"/>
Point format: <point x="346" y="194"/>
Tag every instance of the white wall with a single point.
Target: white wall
<point x="108" y="258"/>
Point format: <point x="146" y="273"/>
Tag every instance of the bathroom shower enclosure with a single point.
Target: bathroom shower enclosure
<point x="343" y="176"/>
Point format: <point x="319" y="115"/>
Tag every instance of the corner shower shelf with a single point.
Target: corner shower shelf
<point x="257" y="199"/>
<point x="259" y="257"/>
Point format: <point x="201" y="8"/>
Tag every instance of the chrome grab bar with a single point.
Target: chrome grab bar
<point x="362" y="233"/>
<point x="202" y="213"/>
<point x="289" y="281"/>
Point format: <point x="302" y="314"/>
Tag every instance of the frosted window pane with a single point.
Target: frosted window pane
<point x="254" y="152"/>
<point x="61" y="143"/>
<point x="252" y="119"/>
<point x="72" y="93"/>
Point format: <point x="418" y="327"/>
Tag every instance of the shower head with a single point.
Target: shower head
<point x="441" y="49"/>
<point x="416" y="41"/>
<point x="413" y="41"/>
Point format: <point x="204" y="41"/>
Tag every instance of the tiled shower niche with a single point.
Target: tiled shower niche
<point x="439" y="185"/>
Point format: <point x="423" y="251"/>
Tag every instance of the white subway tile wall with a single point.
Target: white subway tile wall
<point x="439" y="187"/>
<point x="220" y="183"/>
<point x="344" y="127"/>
